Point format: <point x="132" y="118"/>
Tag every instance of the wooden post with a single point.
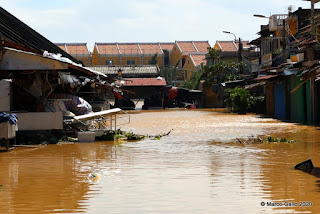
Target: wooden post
<point x="312" y="19"/>
<point x="115" y="122"/>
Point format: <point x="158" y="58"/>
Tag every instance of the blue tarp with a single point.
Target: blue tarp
<point x="12" y="118"/>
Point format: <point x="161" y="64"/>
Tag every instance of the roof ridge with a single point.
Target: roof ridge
<point x="195" y="47"/>
<point x="190" y="55"/>
<point x="179" y="47"/>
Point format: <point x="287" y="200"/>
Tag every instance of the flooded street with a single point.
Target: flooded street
<point x="198" y="168"/>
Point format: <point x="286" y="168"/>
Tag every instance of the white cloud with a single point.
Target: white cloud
<point x="141" y="20"/>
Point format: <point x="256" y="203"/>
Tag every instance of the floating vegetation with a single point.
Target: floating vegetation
<point x="121" y="135"/>
<point x="264" y="139"/>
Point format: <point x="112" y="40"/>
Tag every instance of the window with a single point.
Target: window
<point x="188" y="62"/>
<point x="131" y="62"/>
<point x="183" y="61"/>
<point x="109" y="62"/>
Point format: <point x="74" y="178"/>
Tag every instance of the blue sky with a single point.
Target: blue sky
<point x="146" y="21"/>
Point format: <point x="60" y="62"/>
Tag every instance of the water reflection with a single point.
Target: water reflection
<point x="198" y="168"/>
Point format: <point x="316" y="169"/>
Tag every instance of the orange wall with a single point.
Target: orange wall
<point x="188" y="67"/>
<point x="175" y="56"/>
<point x="216" y="47"/>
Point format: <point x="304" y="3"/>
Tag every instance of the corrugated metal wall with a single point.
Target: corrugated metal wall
<point x="270" y="99"/>
<point x="279" y="101"/>
<point x="297" y="101"/>
<point x="308" y="102"/>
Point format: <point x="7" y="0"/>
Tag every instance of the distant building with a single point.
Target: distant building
<point x="185" y="52"/>
<point x="131" y="53"/>
<point x="77" y="50"/>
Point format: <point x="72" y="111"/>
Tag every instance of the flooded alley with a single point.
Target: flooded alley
<point x="199" y="168"/>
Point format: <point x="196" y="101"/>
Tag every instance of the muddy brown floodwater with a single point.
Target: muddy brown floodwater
<point x="198" y="168"/>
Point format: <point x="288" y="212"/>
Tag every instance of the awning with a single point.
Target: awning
<point x="17" y="60"/>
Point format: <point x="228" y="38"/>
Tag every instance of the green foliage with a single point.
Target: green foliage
<point x="194" y="80"/>
<point x="257" y="104"/>
<point x="170" y="74"/>
<point x="238" y="100"/>
<point x="153" y="60"/>
<point x="271" y="139"/>
<point x="218" y="71"/>
<point x="131" y="136"/>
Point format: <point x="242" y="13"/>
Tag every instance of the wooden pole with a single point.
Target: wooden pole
<point x="312" y="19"/>
<point x="284" y="41"/>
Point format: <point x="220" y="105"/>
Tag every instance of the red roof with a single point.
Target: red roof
<point x="198" y="59"/>
<point x="202" y="46"/>
<point x="108" y="48"/>
<point x="231" y="46"/>
<point x="77" y="49"/>
<point x="167" y="46"/>
<point x="227" y="46"/>
<point x="186" y="46"/>
<point x="150" y="48"/>
<point x="63" y="47"/>
<point x="145" y="82"/>
<point x="129" y="48"/>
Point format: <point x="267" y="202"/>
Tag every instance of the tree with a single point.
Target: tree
<point x="153" y="60"/>
<point x="218" y="71"/>
<point x="239" y="100"/>
<point x="194" y="81"/>
<point x="170" y="74"/>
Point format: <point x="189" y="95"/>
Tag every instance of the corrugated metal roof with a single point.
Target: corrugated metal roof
<point x="129" y="71"/>
<point x="18" y="32"/>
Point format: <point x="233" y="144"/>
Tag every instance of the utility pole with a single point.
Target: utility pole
<point x="240" y="55"/>
<point x="312" y="19"/>
<point x="284" y="41"/>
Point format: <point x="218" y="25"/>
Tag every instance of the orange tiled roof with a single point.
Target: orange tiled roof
<point x="186" y="46"/>
<point x="150" y="48"/>
<point x="105" y="48"/>
<point x="198" y="59"/>
<point x="167" y="46"/>
<point x="77" y="48"/>
<point x="129" y="48"/>
<point x="202" y="46"/>
<point x="245" y="44"/>
<point x="227" y="46"/>
<point x="63" y="47"/>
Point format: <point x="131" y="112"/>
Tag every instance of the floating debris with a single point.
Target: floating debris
<point x="94" y="177"/>
<point x="305" y="165"/>
<point x="263" y="139"/>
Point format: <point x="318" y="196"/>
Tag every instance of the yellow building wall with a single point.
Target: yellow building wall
<point x="175" y="56"/>
<point x="83" y="58"/>
<point x="95" y="57"/>
<point x="137" y="60"/>
<point x="103" y="59"/>
<point x="188" y="68"/>
<point x="217" y="47"/>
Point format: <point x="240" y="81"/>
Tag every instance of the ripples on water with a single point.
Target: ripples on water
<point x="198" y="168"/>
